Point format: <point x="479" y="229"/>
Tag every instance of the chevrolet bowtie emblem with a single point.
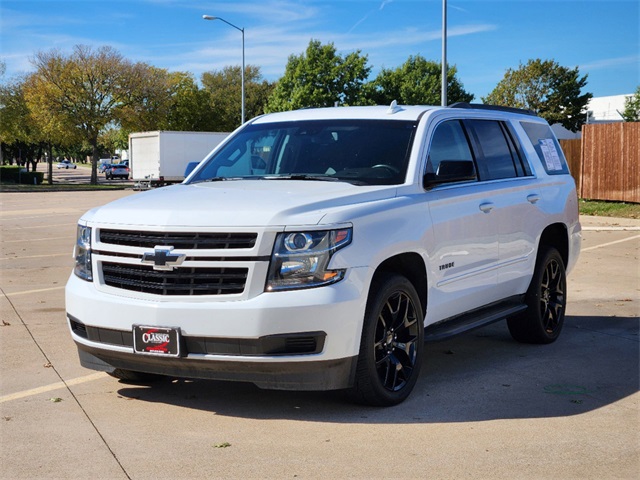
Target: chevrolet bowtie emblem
<point x="162" y="259"/>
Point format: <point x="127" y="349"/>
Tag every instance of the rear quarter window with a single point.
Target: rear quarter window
<point x="547" y="147"/>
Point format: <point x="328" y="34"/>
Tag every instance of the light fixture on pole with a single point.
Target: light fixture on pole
<point x="209" y="17"/>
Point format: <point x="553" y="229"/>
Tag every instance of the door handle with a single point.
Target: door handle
<point x="533" y="198"/>
<point x="486" y="207"/>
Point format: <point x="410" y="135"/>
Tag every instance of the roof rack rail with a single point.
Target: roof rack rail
<point x="483" y="106"/>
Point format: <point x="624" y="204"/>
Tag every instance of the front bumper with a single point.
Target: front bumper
<point x="316" y="375"/>
<point x="243" y="340"/>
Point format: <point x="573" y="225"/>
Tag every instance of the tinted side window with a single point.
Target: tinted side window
<point x="450" y="143"/>
<point x="520" y="158"/>
<point x="547" y="147"/>
<point x="495" y="158"/>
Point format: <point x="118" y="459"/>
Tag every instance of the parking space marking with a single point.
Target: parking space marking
<point x="37" y="256"/>
<point x="27" y="292"/>
<point x="45" y="226"/>
<point x="25" y="213"/>
<point x="54" y="386"/>
<point x="75" y="213"/>
<point x="45" y="239"/>
<point x="611" y="229"/>
<point x="610" y="243"/>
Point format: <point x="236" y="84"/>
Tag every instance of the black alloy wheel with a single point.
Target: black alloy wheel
<point x="552" y="296"/>
<point x="546" y="300"/>
<point x="392" y="343"/>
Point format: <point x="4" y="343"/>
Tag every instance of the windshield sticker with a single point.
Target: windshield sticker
<point x="550" y="153"/>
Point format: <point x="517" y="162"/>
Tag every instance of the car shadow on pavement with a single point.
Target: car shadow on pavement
<point x="483" y="375"/>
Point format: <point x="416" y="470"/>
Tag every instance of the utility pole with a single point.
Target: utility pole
<point x="444" y="53"/>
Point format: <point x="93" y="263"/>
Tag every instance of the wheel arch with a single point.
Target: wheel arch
<point x="410" y="265"/>
<point x="556" y="236"/>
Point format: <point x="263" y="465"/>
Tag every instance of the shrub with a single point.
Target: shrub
<point x="16" y="174"/>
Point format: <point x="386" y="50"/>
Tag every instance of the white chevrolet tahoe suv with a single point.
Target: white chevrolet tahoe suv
<point x="320" y="249"/>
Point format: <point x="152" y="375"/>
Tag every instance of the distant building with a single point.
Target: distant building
<point x="601" y="110"/>
<point x="606" y="109"/>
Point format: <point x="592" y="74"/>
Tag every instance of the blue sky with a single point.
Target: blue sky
<point x="601" y="37"/>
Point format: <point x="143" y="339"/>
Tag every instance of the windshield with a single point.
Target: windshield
<point x="363" y="152"/>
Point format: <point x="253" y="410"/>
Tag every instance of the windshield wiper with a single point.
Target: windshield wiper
<point x="216" y="179"/>
<point x="303" y="176"/>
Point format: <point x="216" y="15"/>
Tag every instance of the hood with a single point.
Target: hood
<point x="239" y="203"/>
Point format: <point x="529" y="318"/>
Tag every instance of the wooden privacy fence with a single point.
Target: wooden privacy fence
<point x="606" y="161"/>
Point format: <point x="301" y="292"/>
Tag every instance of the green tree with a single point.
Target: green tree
<point x="79" y="94"/>
<point x="143" y="97"/>
<point x="224" y="88"/>
<point x="189" y="110"/>
<point x="417" y="82"/>
<point x="320" y="77"/>
<point x="552" y="91"/>
<point x="631" y="111"/>
<point x="19" y="133"/>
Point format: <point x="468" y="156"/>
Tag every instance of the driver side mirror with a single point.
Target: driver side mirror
<point x="450" y="171"/>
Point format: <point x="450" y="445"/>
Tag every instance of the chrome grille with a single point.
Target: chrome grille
<point x="191" y="240"/>
<point x="180" y="281"/>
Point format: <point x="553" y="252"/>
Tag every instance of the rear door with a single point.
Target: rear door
<point x="513" y="202"/>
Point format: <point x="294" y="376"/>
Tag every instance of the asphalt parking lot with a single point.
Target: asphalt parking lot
<point x="484" y="407"/>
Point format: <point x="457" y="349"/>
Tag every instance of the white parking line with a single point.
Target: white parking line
<point x="611" y="229"/>
<point x="27" y="292"/>
<point x="44" y="226"/>
<point x="37" y="211"/>
<point x="39" y="256"/>
<point x="610" y="243"/>
<point x="52" y="387"/>
<point x="45" y="239"/>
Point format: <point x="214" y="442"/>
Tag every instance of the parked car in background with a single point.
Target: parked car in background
<point x="103" y="167"/>
<point x="66" y="164"/>
<point x="117" y="171"/>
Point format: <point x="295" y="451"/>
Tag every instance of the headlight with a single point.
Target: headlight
<point x="300" y="259"/>
<point x="82" y="252"/>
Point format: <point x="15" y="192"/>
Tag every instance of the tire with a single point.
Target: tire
<point x="546" y="300"/>
<point x="135" y="377"/>
<point x="392" y="343"/>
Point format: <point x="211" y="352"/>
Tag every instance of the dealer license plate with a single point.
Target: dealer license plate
<point x="161" y="341"/>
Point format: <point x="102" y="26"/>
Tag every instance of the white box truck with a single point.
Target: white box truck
<point x="160" y="157"/>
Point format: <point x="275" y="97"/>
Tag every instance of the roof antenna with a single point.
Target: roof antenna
<point x="394" y="108"/>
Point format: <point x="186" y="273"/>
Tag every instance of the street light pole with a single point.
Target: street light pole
<point x="209" y="17"/>
<point x="444" y="54"/>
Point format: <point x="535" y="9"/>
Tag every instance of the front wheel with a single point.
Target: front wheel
<point x="546" y="301"/>
<point x="392" y="343"/>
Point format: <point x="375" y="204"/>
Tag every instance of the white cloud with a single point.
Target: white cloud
<point x="611" y="62"/>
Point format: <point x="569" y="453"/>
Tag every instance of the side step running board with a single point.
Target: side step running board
<point x="472" y="320"/>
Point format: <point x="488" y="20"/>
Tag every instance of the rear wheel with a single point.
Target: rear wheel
<point x="546" y="301"/>
<point x="392" y="343"/>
